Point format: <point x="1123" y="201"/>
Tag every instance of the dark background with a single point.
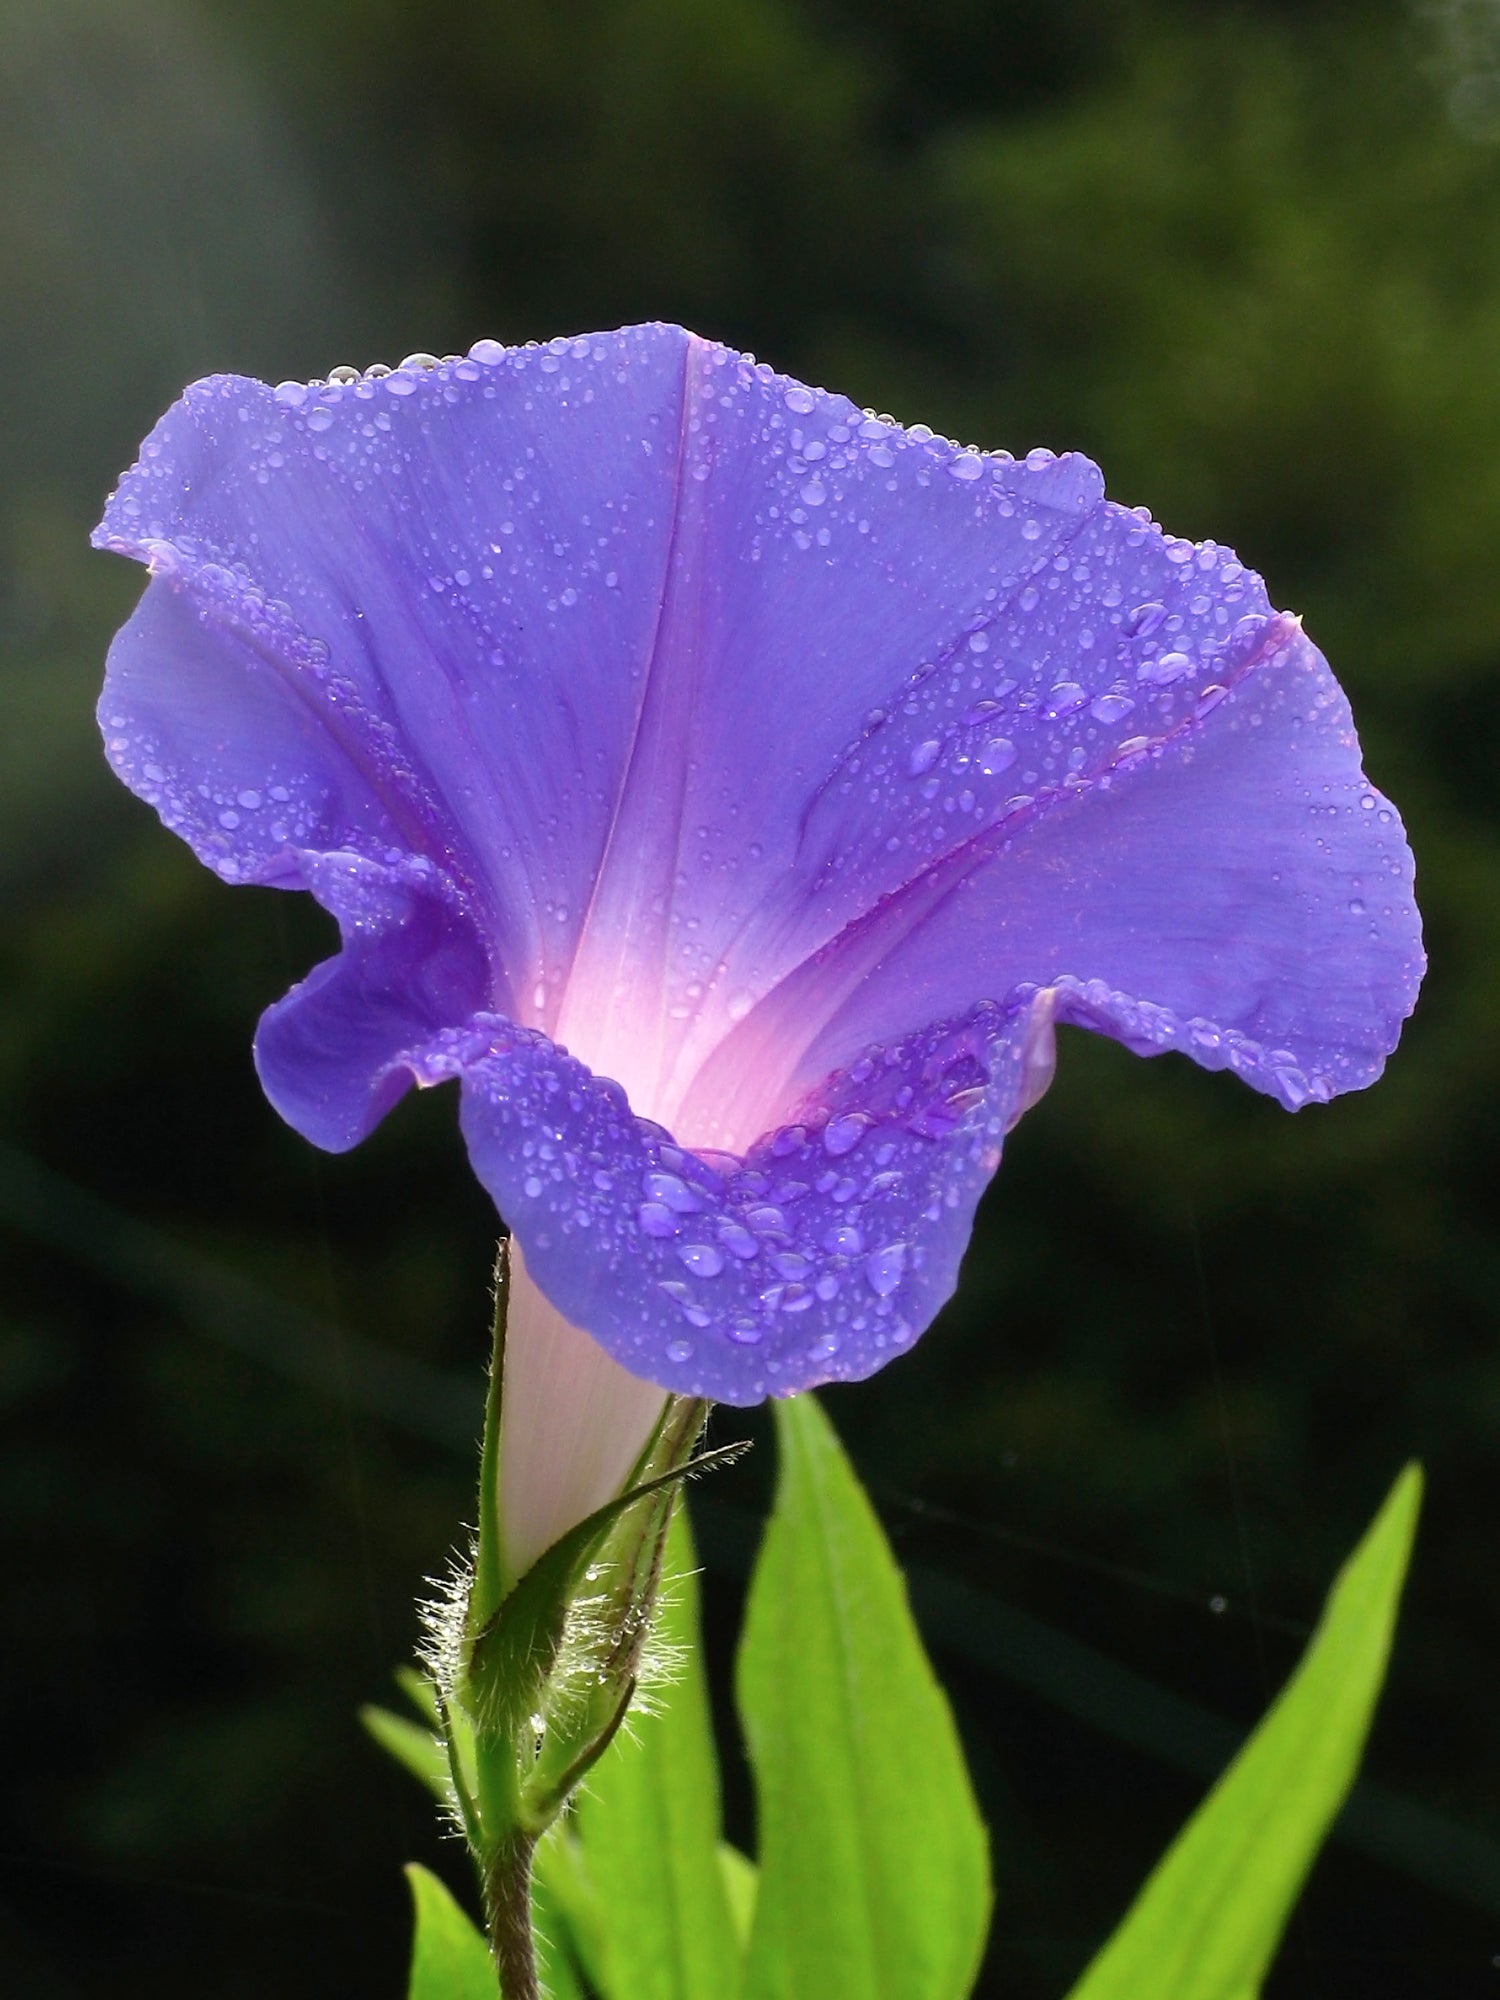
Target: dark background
<point x="1244" y="255"/>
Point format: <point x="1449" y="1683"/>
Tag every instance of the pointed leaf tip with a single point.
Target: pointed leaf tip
<point x="1208" y="1922"/>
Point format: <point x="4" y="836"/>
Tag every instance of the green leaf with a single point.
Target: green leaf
<point x="874" y="1875"/>
<point x="412" y="1746"/>
<point x="557" y="1947"/>
<point x="450" y="1960"/>
<point x="741" y="1882"/>
<point x="419" y="1691"/>
<point x="1207" y="1923"/>
<point x="561" y="1888"/>
<point x="649" y="1823"/>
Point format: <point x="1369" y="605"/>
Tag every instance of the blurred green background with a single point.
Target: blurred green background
<point x="1248" y="256"/>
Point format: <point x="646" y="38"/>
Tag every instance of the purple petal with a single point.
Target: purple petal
<point x="1223" y="880"/>
<point x="625" y="694"/>
<point x="328" y="1055"/>
<point x="459" y="573"/>
<point x="816" y="1258"/>
<point x="213" y="711"/>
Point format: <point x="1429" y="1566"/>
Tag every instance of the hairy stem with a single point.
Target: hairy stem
<point x="507" y="1903"/>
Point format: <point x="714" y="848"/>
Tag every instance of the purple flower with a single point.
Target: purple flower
<point x="731" y="789"/>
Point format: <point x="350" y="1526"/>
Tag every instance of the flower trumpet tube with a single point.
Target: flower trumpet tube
<point x="730" y="790"/>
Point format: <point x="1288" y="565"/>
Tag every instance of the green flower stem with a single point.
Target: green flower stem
<point x="507" y="1909"/>
<point x="532" y="1716"/>
<point x="488" y="1585"/>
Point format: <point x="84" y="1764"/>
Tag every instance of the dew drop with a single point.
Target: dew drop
<point x="924" y="756"/>
<point x="883" y="1268"/>
<point x="1110" y="707"/>
<point x="1065" y="699"/>
<point x="1164" y="671"/>
<point x="702" y="1259"/>
<point x="800" y="401"/>
<point x="738" y="1240"/>
<point x="997" y="755"/>
<point x="842" y="1134"/>
<point x="672" y="1192"/>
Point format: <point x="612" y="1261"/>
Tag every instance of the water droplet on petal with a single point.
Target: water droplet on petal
<point x="1110" y="707"/>
<point x="1065" y="699"/>
<point x="883" y="1268"/>
<point x="997" y="755"/>
<point x="675" y="1193"/>
<point x="1144" y="620"/>
<point x="702" y="1259"/>
<point x="843" y="1134"/>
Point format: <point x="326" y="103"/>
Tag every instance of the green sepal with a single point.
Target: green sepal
<point x="1208" y="1922"/>
<point x="513" y="1657"/>
<point x="450" y="1959"/>
<point x="516" y="1650"/>
<point x="607" y="1632"/>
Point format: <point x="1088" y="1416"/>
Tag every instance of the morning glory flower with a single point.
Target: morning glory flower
<point x="731" y="790"/>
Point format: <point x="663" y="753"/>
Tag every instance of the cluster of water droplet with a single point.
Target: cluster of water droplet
<point x="1148" y="1028"/>
<point x="822" y="1251"/>
<point x="1118" y="643"/>
<point x="1089" y="644"/>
